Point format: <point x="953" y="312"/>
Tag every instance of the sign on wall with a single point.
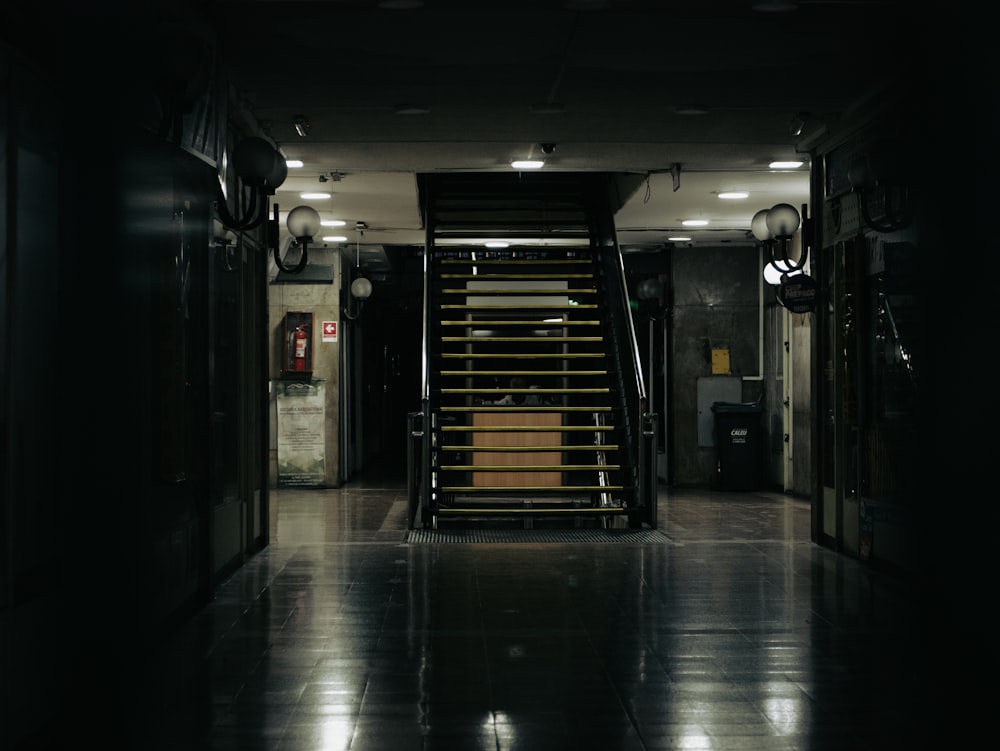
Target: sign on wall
<point x="798" y="293"/>
<point x="329" y="330"/>
<point x="301" y="413"/>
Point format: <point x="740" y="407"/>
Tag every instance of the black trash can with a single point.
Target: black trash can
<point x="737" y="445"/>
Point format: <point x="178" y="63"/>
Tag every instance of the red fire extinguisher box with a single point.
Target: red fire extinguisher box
<point x="298" y="346"/>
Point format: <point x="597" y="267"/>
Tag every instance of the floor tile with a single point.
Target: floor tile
<point x="733" y="631"/>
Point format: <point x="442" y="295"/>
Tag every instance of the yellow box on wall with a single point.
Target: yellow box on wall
<point x="720" y="362"/>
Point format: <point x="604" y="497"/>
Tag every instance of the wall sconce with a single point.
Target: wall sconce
<point x="775" y="269"/>
<point x="227" y="243"/>
<point x="879" y="180"/>
<point x="651" y="297"/>
<point x="361" y="290"/>
<point x="774" y="228"/>
<point x="261" y="169"/>
<point x="303" y="223"/>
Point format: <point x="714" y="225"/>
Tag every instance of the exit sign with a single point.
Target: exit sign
<point x="329" y="330"/>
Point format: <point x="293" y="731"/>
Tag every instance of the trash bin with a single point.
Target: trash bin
<point x="737" y="445"/>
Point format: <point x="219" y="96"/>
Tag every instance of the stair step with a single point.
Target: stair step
<point x="529" y="467"/>
<point x="535" y="339"/>
<point x="529" y="511"/>
<point x="533" y="322"/>
<point x="525" y="428"/>
<point x="518" y="291"/>
<point x="560" y="373"/>
<point x="489" y="277"/>
<point x="530" y="488"/>
<point x="515" y="261"/>
<point x="520" y="355"/>
<point x="526" y="408"/>
<point x="564" y="447"/>
<point x="532" y="306"/>
<point x="535" y="392"/>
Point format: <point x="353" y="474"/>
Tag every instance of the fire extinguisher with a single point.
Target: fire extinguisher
<point x="301" y="339"/>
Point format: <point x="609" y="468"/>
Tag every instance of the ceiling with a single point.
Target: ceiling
<point x="608" y="85"/>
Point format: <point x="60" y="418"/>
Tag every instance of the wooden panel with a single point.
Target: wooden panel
<point x="519" y="439"/>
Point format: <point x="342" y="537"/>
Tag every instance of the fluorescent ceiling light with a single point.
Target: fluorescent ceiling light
<point x="695" y="222"/>
<point x="785" y="165"/>
<point x="335" y="239"/>
<point x="496" y="244"/>
<point x="734" y="195"/>
<point x="522" y="242"/>
<point x="527" y="164"/>
<point x="294" y="163"/>
<point x="314" y="196"/>
<point x="333" y="222"/>
<point x="679" y="239"/>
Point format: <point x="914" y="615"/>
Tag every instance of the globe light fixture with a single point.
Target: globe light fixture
<point x="775" y="270"/>
<point x="260" y="169"/>
<point x="775" y="229"/>
<point x="303" y="223"/>
<point x="361" y="287"/>
<point x="782" y="220"/>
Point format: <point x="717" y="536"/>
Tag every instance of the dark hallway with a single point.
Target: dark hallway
<point x="729" y="630"/>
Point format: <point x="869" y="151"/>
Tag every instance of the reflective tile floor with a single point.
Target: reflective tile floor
<point x="728" y="629"/>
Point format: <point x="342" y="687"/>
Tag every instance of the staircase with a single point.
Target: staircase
<point x="533" y="408"/>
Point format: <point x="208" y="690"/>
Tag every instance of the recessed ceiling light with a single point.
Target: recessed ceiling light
<point x="734" y="195"/>
<point x="785" y="165"/>
<point x="527" y="164"/>
<point x="695" y="222"/>
<point x="314" y="196"/>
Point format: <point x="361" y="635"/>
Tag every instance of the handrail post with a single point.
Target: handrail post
<point x="413" y="474"/>
<point x="648" y="469"/>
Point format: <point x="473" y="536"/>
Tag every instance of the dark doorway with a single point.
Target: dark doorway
<point x="392" y="337"/>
